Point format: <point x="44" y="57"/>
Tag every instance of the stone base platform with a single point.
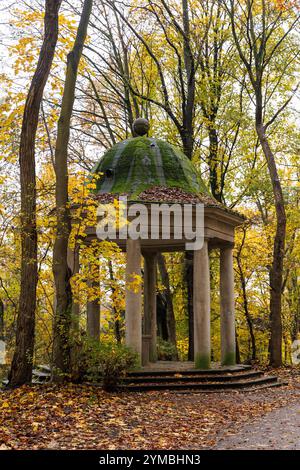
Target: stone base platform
<point x="182" y="376"/>
<point x="170" y="366"/>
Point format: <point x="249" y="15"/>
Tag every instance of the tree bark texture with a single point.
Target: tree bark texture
<point x="171" y="323"/>
<point x="62" y="274"/>
<point x="21" y="369"/>
<point x="276" y="271"/>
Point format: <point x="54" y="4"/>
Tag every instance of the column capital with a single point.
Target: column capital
<point x="227" y="246"/>
<point x="149" y="254"/>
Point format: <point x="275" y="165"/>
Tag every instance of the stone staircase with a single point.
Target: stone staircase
<point x="239" y="377"/>
<point x="41" y="374"/>
<point x="230" y="378"/>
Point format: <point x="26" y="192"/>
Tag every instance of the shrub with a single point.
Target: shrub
<point x="166" y="351"/>
<point x="107" y="362"/>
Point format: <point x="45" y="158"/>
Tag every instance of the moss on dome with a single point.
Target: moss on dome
<point x="135" y="165"/>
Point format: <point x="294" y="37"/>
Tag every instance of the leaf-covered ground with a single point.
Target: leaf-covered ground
<point x="85" y="417"/>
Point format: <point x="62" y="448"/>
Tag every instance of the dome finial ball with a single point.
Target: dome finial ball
<point x="141" y="126"/>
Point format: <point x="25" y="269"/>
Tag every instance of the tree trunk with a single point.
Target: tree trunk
<point x="2" y="320"/>
<point x="62" y="320"/>
<point x="295" y="306"/>
<point x="254" y="39"/>
<point x="276" y="272"/>
<point x="161" y="317"/>
<point x="21" y="369"/>
<point x="214" y="166"/>
<point x="171" y="323"/>
<point x="246" y="310"/>
<point x="117" y="326"/>
<point x="188" y="274"/>
<point x="237" y="349"/>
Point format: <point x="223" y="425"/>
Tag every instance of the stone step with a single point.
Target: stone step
<point x="249" y="389"/>
<point x="278" y="383"/>
<point x="164" y="372"/>
<point x="179" y="377"/>
<point x="41" y="376"/>
<point x="192" y="385"/>
<point x="44" y="368"/>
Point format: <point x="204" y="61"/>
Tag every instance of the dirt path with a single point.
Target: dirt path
<point x="279" y="429"/>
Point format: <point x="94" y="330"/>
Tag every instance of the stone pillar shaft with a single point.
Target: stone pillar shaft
<point x="150" y="324"/>
<point x="201" y="302"/>
<point x="133" y="297"/>
<point x="228" y="352"/>
<point x="93" y="307"/>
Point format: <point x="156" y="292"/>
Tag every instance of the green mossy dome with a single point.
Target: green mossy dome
<point x="138" y="164"/>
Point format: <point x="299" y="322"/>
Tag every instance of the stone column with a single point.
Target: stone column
<point x="133" y="297"/>
<point x="93" y="307"/>
<point x="150" y="325"/>
<point x="201" y="302"/>
<point x="227" y="307"/>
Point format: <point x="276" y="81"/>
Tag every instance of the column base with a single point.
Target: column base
<point x="229" y="359"/>
<point x="153" y="357"/>
<point x="202" y="361"/>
